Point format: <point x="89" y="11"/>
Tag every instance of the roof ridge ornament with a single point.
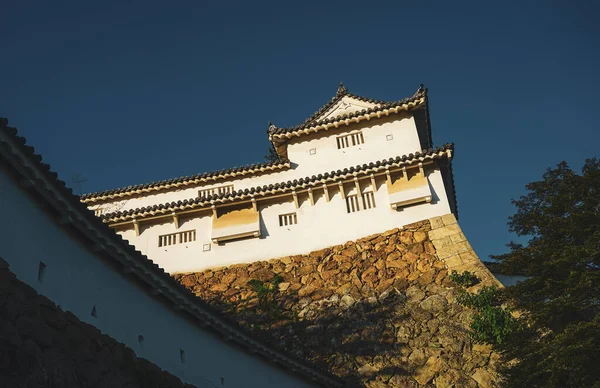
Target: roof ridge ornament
<point x="422" y="91"/>
<point x="341" y="90"/>
<point x="272" y="127"/>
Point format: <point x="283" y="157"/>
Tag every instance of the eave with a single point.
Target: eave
<point x="188" y="181"/>
<point x="279" y="189"/>
<point x="281" y="135"/>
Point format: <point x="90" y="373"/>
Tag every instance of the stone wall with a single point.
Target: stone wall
<point x="43" y="346"/>
<point x="378" y="312"/>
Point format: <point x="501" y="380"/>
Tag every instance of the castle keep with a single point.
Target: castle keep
<point x="356" y="167"/>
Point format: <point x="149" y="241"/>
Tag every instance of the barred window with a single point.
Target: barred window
<point x="352" y="203"/>
<point x="227" y="189"/>
<point x="368" y="200"/>
<point x="177" y="238"/>
<point x="350" y="140"/>
<point x="288" y="219"/>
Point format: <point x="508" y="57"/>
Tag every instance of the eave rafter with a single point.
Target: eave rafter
<point x="293" y="188"/>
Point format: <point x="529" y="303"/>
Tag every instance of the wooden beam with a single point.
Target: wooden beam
<point x="341" y="186"/>
<point x="175" y="220"/>
<point x="254" y="205"/>
<point x="311" y="197"/>
<point x="373" y="183"/>
<point x="214" y="210"/>
<point x="295" y="199"/>
<point x="404" y="174"/>
<point x="136" y="226"/>
<point x="421" y="170"/>
<point x="326" y="192"/>
<point x="357" y="185"/>
<point x="388" y="177"/>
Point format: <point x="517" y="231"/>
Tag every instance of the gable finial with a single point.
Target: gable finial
<point x="341" y="90"/>
<point x="272" y="127"/>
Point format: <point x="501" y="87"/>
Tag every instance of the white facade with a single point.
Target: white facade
<point x="287" y="225"/>
<point x="80" y="276"/>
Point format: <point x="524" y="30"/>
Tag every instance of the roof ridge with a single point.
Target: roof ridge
<point x="311" y="121"/>
<point x="214" y="175"/>
<point x="280" y="185"/>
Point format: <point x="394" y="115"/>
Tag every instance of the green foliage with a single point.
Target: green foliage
<point x="560" y="217"/>
<point x="266" y="292"/>
<point x="491" y="323"/>
<point x="465" y="279"/>
<point x="487" y="296"/>
<point x="271" y="156"/>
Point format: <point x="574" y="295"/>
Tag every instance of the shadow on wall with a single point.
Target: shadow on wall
<point x="335" y="338"/>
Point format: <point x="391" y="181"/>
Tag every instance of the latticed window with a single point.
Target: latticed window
<point x="350" y="140"/>
<point x="227" y="189"/>
<point x="352" y="203"/>
<point x="288" y="219"/>
<point x="368" y="200"/>
<point x="177" y="238"/>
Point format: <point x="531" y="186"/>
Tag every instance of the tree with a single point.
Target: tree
<point x="271" y="156"/>
<point x="559" y="345"/>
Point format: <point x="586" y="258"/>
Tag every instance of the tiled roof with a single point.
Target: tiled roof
<point x="38" y="178"/>
<point x="386" y="107"/>
<point x="207" y="177"/>
<point x="278" y="188"/>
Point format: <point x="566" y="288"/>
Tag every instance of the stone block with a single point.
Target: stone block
<point x="447" y="230"/>
<point x="442" y="242"/>
<point x="456" y="238"/>
<point x="453" y="261"/>
<point x="449" y="219"/>
<point x="436" y="222"/>
<point x="469" y="257"/>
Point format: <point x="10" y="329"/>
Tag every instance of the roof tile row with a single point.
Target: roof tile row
<point x="260" y="190"/>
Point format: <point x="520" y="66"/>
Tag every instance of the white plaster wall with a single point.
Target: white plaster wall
<point x="327" y="158"/>
<point x="319" y="226"/>
<point x="77" y="280"/>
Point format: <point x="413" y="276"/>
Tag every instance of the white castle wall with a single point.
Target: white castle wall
<point x="319" y="226"/>
<point x="327" y="158"/>
<point x="77" y="279"/>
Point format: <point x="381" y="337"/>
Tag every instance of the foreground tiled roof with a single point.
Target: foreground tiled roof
<point x="278" y="188"/>
<point x="207" y="177"/>
<point x="312" y="124"/>
<point x="37" y="177"/>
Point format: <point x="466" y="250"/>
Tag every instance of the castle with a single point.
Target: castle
<point x="84" y="307"/>
<point x="356" y="167"/>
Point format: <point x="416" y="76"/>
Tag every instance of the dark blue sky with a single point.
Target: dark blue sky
<point x="128" y="94"/>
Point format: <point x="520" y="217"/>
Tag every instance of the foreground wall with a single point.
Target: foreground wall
<point x="52" y="259"/>
<point x="379" y="312"/>
<point x="43" y="346"/>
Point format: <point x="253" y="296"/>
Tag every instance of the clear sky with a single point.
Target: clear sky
<point x="149" y="90"/>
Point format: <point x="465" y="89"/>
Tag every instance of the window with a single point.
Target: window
<point x="312" y="151"/>
<point x="352" y="203"/>
<point x="389" y="137"/>
<point x="205" y="247"/>
<point x="177" y="238"/>
<point x="288" y="219"/>
<point x="350" y="140"/>
<point x="227" y="189"/>
<point x="368" y="200"/>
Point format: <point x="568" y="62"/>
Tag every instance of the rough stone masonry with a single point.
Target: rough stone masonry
<point x="378" y="312"/>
